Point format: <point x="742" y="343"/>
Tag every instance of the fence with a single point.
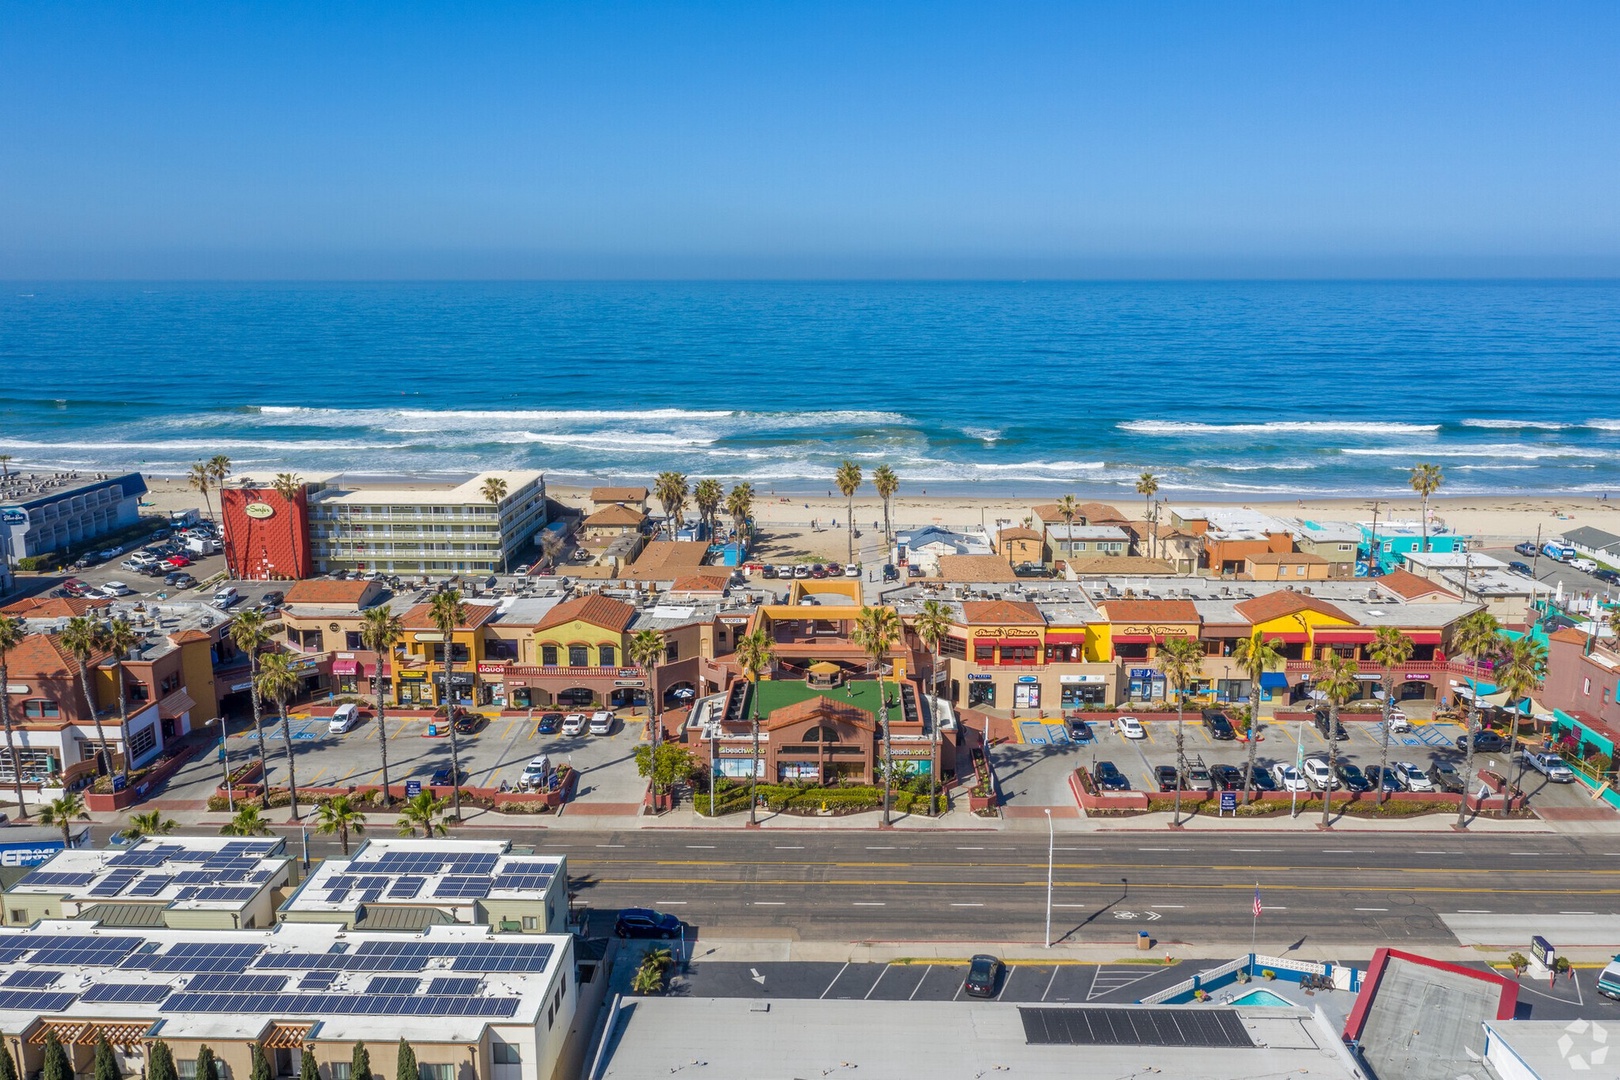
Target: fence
<point x="1216" y="977"/>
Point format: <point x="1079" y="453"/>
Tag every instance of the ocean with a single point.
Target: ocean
<point x="1223" y="389"/>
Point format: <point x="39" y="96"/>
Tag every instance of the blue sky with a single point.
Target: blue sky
<point x="809" y="139"/>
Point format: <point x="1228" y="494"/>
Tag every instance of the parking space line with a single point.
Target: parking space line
<point x="1050" y="981"/>
<point x="1006" y="982"/>
<point x="835" y="979"/>
<point x="922" y="980"/>
<point x="875" y="982"/>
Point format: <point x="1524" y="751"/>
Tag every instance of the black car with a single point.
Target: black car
<point x="768" y="573"/>
<point x="1526" y="548"/>
<point x="1167" y="776"/>
<point x="1607" y="576"/>
<point x="1445" y="777"/>
<point x="277" y="598"/>
<point x="890" y="573"/>
<point x="1520" y="568"/>
<point x="442" y="777"/>
<point x="1227" y="777"/>
<point x="1388" y="778"/>
<point x="1109" y="778"/>
<point x="1079" y="730"/>
<point x="1262" y="779"/>
<point x="1488" y="741"/>
<point x="1322" y="721"/>
<point x="550" y="723"/>
<point x="1352" y="778"/>
<point x="983" y="971"/>
<point x="469" y="724"/>
<point x="646" y="923"/>
<point x="1219" y="726"/>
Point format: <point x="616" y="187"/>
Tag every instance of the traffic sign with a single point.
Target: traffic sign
<point x="413" y="788"/>
<point x="1228" y="802"/>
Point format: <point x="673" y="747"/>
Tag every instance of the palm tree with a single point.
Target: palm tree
<point x="932" y="625"/>
<point x="1068" y="510"/>
<point x="1519" y="674"/>
<point x="151" y="823"/>
<point x="1477" y="636"/>
<point x="1335" y="679"/>
<point x="249" y="821"/>
<point x="1426" y="480"/>
<point x="119" y="637"/>
<point x="380" y="631"/>
<point x="64" y="811"/>
<point x="886" y="483"/>
<point x="288" y="485"/>
<point x="551" y="545"/>
<point x="1147" y="486"/>
<point x="1389" y="650"/>
<point x="877" y="629"/>
<point x="448" y="612"/>
<point x="646" y="647"/>
<point x="278" y="682"/>
<point x="494" y="492"/>
<point x="340" y="815"/>
<point x="1182" y="661"/>
<point x="670" y="490"/>
<point x="201" y="480"/>
<point x="708" y="495"/>
<point x="12" y="632"/>
<point x="83" y="639"/>
<point x="740" y="505"/>
<point x="422" y="811"/>
<point x="848" y="479"/>
<point x="219" y="467"/>
<point x="1255" y="655"/>
<point x="5" y="466"/>
<point x="755" y="652"/>
<point x="250" y="632"/>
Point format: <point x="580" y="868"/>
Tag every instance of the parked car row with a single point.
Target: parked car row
<point x="802" y="571"/>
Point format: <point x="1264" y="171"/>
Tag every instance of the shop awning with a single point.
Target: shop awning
<point x="1346" y="637"/>
<point x="1423" y="637"/>
<point x="176" y="705"/>
<point x="345" y="667"/>
<point x="1289" y="638"/>
<point x="1273" y="680"/>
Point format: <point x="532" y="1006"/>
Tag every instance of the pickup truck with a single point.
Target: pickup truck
<point x="1551" y="766"/>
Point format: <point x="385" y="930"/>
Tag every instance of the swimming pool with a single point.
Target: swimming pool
<point x="1263" y="997"/>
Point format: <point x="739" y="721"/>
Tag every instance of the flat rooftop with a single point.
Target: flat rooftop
<point x="230" y="983"/>
<point x="453" y="876"/>
<point x="426" y="493"/>
<point x="201" y="873"/>
<point x="747" y="1039"/>
<point x="1424" y="1021"/>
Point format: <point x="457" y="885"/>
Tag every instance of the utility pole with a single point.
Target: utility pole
<point x="1535" y="565"/>
<point x="1372" y="547"/>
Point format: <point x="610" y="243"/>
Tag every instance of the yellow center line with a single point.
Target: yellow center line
<point x="1106" y="885"/>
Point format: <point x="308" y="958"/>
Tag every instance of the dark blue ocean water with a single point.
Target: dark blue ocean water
<point x="1224" y="389"/>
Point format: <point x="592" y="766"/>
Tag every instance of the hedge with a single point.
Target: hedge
<point x="795" y="799"/>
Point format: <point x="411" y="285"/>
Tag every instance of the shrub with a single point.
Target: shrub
<point x="1599" y="761"/>
<point x="1267" y="973"/>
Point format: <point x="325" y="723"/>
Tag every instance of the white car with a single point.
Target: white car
<point x="852" y="570"/>
<point x="601" y="722"/>
<point x="1319" y="775"/>
<point x="536" y="770"/>
<point x="1551" y="766"/>
<point x="1129" y="727"/>
<point x="1413" y="777"/>
<point x="574" y="724"/>
<point x="1288" y="778"/>
<point x="1398" y="721"/>
<point x="116" y="588"/>
<point x="346" y="717"/>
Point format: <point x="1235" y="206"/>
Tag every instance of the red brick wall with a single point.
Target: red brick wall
<point x="263" y="549"/>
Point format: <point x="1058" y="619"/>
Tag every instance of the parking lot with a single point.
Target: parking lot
<point x="1553" y="573"/>
<point x="1037" y="774"/>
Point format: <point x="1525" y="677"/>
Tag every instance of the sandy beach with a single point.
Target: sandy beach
<point x="786" y="520"/>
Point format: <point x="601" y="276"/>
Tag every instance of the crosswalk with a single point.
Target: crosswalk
<point x="1113" y="977"/>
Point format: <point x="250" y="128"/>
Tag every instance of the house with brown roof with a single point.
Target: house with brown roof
<point x="54" y="607"/>
<point x="975" y="569"/>
<point x="1137" y="627"/>
<point x="1086" y="513"/>
<point x="668" y="561"/>
<point x="1284" y="566"/>
<point x="1019" y="545"/>
<point x="633" y="498"/>
<point x="1414" y="589"/>
<point x="613" y="521"/>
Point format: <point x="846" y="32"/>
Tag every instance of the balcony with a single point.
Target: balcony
<point x="558" y="671"/>
<point x="1368" y="668"/>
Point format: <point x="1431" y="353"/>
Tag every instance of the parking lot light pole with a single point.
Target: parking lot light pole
<point x="1051" y="839"/>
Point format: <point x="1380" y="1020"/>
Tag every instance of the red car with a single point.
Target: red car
<point x="179" y="562"/>
<point x="74" y="587"/>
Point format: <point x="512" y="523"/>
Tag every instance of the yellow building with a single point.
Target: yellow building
<point x="419" y="679"/>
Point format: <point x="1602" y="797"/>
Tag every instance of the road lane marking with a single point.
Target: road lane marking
<point x="768" y="903"/>
<point x="1072" y="905"/>
<point x="918" y="987"/>
<point x="1433" y="853"/>
<point x="610" y="845"/>
<point x="1577" y="913"/>
<point x="670" y="903"/>
<point x="1166" y="905"/>
<point x="875" y="982"/>
<point x="1338" y="851"/>
<point x="1257" y="850"/>
<point x="871" y="903"/>
<point x="1006" y="981"/>
<point x="796" y="848"/>
<point x="709" y="846"/>
<point x="967" y="905"/>
<point x="970" y="849"/>
<point x="1472" y="911"/>
<point x="1370" y="909"/>
<point x="835" y="979"/>
<point x="1524" y="853"/>
<point x="1049" y="982"/>
<point x="869" y="847"/>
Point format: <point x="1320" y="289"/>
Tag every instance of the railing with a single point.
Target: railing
<point x="1368" y="668"/>
<point x="547" y="671"/>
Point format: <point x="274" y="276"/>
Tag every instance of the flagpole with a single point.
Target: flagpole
<point x="1254" y="928"/>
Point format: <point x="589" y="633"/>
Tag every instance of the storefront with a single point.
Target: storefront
<point x="1145" y="684"/>
<point x="413" y="688"/>
<point x="492" y="677"/>
<point x="981" y="690"/>
<point x="464" y="687"/>
<point x="1079" y="691"/>
<point x="353" y="675"/>
<point x="1027" y="692"/>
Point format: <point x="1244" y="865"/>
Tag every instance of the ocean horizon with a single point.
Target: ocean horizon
<point x="1224" y="389"/>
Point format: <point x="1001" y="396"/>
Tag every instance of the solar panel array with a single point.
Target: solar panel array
<point x="32" y="979"/>
<point x="58" y="881"/>
<point x="454" y="986"/>
<point x="463" y="887"/>
<point x="341" y="1004"/>
<point x="35" y="1000"/>
<point x="404" y="888"/>
<point x="220" y="894"/>
<point x="151" y="885"/>
<point x="223" y="982"/>
<point x="430" y="862"/>
<point x="115" y="883"/>
<point x="198" y="956"/>
<point x="393" y="984"/>
<point x="318" y="980"/>
<point x="1093" y="1026"/>
<point x="79" y="950"/>
<point x="236" y="863"/>
<point x="147" y="856"/>
<point x="139" y="993"/>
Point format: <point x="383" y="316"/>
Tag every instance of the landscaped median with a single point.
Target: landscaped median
<point x="812" y="801"/>
<point x="1398" y="804"/>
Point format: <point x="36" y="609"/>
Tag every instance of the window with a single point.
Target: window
<point x="351" y="640"/>
<point x="672" y="652"/>
<point x="36" y="710"/>
<point x="579" y="656"/>
<point x="20" y="916"/>
<point x="530" y="922"/>
<point x="953" y="646"/>
<point x="186" y="1068"/>
<point x="984" y="654"/>
<point x="501" y="1054"/>
<point x="142" y="742"/>
<point x="607" y="656"/>
<point x="1019" y="654"/>
<point x="341" y="1070"/>
<point x="435" y="1072"/>
<point x="548" y="656"/>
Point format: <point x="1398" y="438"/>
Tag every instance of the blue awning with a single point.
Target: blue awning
<point x="1273" y="680"/>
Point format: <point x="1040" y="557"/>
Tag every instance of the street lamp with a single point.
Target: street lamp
<point x="1051" y="839"/>
<point x="225" y="762"/>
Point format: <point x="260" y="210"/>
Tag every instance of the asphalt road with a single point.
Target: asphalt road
<point x="1350" y="891"/>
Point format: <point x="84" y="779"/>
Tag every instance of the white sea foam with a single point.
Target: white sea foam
<point x="1485" y="450"/>
<point x="1276" y="427"/>
<point x="197" y="446"/>
<point x="1517" y="425"/>
<point x="735" y="419"/>
<point x="989" y="435"/>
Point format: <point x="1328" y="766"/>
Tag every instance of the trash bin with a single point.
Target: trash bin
<point x="1143" y="941"/>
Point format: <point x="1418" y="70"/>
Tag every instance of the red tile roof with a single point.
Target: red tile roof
<point x="43" y="655"/>
<point x="595" y="609"/>
<point x="1276" y="605"/>
<point x="1149" y="611"/>
<point x="699" y="583"/>
<point x="54" y="607"/>
<point x="1409" y="586"/>
<point x="323" y="591"/>
<point x="615" y="514"/>
<point x="1568" y="635"/>
<point x="1001" y="613"/>
<point x="420" y="617"/>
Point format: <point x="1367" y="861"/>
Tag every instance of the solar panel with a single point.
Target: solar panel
<point x="337" y="896"/>
<point x="318" y="980"/>
<point x="227" y="893"/>
<point x="371" y="896"/>
<point x="453" y="986"/>
<point x="73" y="950"/>
<point x="393" y="984"/>
<point x="151" y="885"/>
<point x="301" y="961"/>
<point x="32" y="979"/>
<point x="115" y="883"/>
<point x="404" y="888"/>
<point x="1089" y="1026"/>
<point x="463" y="887"/>
<point x="340" y="881"/>
<point x="202" y="956"/>
<point x="249" y="847"/>
<point x="525" y="866"/>
<point x="144" y="993"/>
<point x="231" y="861"/>
<point x="473" y="863"/>
<point x="522" y="882"/>
<point x="148" y="857"/>
<point x="195" y="877"/>
<point x="35" y="1000"/>
<point x="12" y="951"/>
<point x="55" y="880"/>
<point x="232" y="983"/>
<point x="409" y="862"/>
<point x="344" y="1004"/>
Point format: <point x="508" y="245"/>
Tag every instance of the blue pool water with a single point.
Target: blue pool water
<point x="1262" y="997"/>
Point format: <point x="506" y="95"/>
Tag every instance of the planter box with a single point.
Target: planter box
<point x="982" y="802"/>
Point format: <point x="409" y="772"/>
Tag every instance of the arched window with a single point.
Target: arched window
<point x="821" y="734"/>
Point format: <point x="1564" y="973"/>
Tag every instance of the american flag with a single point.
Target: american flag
<point x="1257" y="908"/>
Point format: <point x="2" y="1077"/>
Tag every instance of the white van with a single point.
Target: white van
<point x="1608" y="983"/>
<point x="345" y="718"/>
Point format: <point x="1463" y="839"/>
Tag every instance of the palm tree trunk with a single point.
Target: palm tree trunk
<point x="343" y="836"/>
<point x="657" y="730"/>
<point x="1254" y="738"/>
<point x="851" y="528"/>
<point x="888" y="752"/>
<point x="449" y="714"/>
<point x="1383" y="754"/>
<point x="1333" y="759"/>
<point x="1468" y="766"/>
<point x="102" y="760"/>
<point x="1181" y="755"/>
<point x="258" y="715"/>
<point x="123" y="718"/>
<point x="1425" y="513"/>
<point x="11" y="746"/>
<point x="292" y="773"/>
<point x="933" y="729"/>
<point x="888" y="533"/>
<point x="382" y="729"/>
<point x="753" y="771"/>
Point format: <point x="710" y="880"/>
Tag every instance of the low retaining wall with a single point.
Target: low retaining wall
<point x="121" y="800"/>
